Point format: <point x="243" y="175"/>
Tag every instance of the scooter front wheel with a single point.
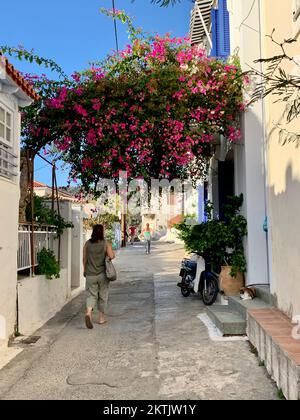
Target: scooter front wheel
<point x="210" y="293"/>
<point x="185" y="292"/>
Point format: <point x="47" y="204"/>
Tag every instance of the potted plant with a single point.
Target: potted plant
<point x="220" y="242"/>
<point x="234" y="262"/>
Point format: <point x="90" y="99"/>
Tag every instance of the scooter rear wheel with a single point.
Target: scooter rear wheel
<point x="209" y="295"/>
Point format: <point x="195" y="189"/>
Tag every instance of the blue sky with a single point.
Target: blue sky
<point x="74" y="32"/>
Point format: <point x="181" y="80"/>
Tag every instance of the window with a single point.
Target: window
<point x="5" y="126"/>
<point x="8" y="160"/>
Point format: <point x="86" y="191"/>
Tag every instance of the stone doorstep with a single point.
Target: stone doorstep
<point x="226" y="320"/>
<point x="264" y="293"/>
<point x="243" y="306"/>
<point x="231" y="319"/>
<point x="271" y="332"/>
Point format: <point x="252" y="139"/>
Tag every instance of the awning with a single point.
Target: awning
<point x="201" y="21"/>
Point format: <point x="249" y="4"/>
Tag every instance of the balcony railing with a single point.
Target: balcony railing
<point x="8" y="162"/>
<point x="43" y="237"/>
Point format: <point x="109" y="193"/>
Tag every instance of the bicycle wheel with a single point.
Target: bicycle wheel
<point x="210" y="293"/>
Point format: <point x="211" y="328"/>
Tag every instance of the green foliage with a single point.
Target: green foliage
<point x="22" y="54"/>
<point x="45" y="216"/>
<point x="109" y="235"/>
<point x="280" y="394"/>
<point x="218" y="240"/>
<point x="106" y="219"/>
<point x="47" y="264"/>
<point x="165" y="3"/>
<point x="253" y="349"/>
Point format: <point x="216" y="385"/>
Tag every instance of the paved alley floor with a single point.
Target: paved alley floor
<point x="153" y="347"/>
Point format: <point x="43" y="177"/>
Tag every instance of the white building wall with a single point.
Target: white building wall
<point x="40" y="298"/>
<point x="9" y="205"/>
<point x="283" y="166"/>
<point x="77" y="279"/>
<point x="250" y="164"/>
<point x="66" y="243"/>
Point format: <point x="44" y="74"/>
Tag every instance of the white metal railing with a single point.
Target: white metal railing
<point x="43" y="237"/>
<point x="8" y="162"/>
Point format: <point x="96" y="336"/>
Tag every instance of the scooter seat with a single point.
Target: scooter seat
<point x="190" y="264"/>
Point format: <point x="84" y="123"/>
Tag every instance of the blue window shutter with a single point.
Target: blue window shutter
<point x="214" y="32"/>
<point x="220" y="31"/>
<point x="224" y="28"/>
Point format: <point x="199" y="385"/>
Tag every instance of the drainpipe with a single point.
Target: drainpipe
<point x="17" y="332"/>
<point x="265" y="157"/>
<point x="32" y="236"/>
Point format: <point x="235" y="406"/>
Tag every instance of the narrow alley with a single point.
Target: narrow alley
<point x="153" y="347"/>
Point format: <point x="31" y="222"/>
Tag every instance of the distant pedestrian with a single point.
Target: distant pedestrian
<point x="147" y="237"/>
<point x="94" y="253"/>
<point x="132" y="231"/>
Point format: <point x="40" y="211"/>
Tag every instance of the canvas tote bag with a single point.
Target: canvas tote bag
<point x="110" y="270"/>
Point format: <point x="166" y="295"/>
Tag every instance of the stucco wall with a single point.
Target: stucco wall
<point x="284" y="173"/>
<point x="9" y="204"/>
<point x="77" y="279"/>
<point x="40" y="299"/>
<point x="249" y="155"/>
<point x="8" y="255"/>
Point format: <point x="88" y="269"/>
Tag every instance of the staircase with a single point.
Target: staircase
<point x="231" y="319"/>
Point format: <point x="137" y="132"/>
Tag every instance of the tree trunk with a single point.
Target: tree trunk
<point x="25" y="174"/>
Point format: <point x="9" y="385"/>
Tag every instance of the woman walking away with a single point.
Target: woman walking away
<point x="147" y="237"/>
<point x="94" y="253"/>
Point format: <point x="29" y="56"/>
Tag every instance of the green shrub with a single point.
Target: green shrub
<point x="47" y="264"/>
<point x="46" y="216"/>
<point x="221" y="241"/>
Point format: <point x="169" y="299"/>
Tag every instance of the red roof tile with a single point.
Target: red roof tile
<point x="19" y="79"/>
<point x="38" y="184"/>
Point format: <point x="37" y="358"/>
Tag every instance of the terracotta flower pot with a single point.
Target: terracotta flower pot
<point x="230" y="285"/>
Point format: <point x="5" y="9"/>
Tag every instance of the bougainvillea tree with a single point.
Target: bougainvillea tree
<point x="153" y="110"/>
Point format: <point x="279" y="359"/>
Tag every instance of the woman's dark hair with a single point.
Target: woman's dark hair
<point x="98" y="234"/>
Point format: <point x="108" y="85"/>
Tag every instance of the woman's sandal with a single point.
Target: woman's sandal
<point x="88" y="322"/>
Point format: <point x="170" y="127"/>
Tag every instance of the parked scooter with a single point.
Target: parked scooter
<point x="197" y="277"/>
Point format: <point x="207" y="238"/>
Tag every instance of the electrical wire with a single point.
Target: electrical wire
<point x="43" y="167"/>
<point x="248" y="15"/>
<point x="115" y="27"/>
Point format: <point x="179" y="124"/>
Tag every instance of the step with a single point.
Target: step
<point x="226" y="320"/>
<point x="221" y="299"/>
<point x="263" y="292"/>
<point x="243" y="306"/>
